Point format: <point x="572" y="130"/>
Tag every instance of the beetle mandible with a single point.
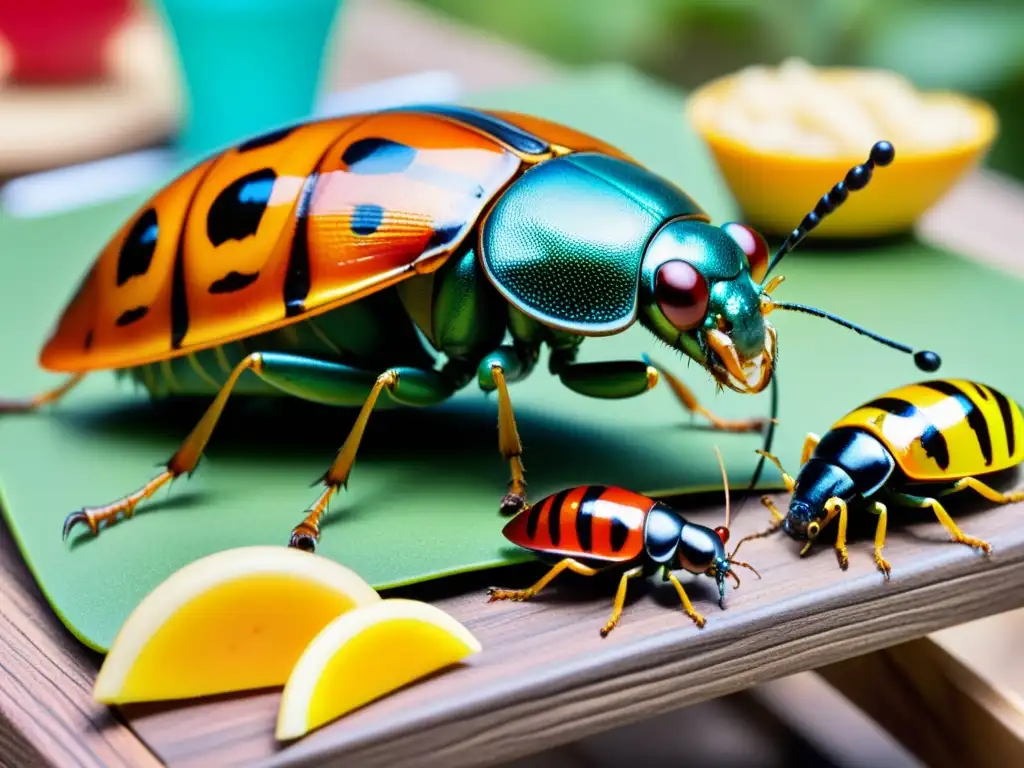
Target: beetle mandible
<point x="407" y="252"/>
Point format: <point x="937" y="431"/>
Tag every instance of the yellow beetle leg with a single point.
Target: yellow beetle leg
<point x="510" y="445"/>
<point x="777" y="517"/>
<point x="307" y="533"/>
<point x="525" y="594"/>
<point x="687" y="605"/>
<point x="690" y="403"/>
<point x="620" y="599"/>
<point x="947" y="522"/>
<point x="883" y="514"/>
<point x="833" y="507"/>
<point x="786" y="478"/>
<point x="342" y="385"/>
<point x="43" y="398"/>
<point x="810" y="443"/>
<point x="183" y="461"/>
<point x="990" y="493"/>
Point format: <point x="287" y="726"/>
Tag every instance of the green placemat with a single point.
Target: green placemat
<point x="423" y="496"/>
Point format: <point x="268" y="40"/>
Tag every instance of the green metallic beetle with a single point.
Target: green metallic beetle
<point x="409" y="252"/>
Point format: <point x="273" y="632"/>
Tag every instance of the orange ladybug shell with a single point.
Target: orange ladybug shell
<point x="590" y="522"/>
<point x="294" y="223"/>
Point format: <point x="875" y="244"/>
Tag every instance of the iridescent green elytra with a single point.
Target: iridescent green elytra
<point x="562" y="237"/>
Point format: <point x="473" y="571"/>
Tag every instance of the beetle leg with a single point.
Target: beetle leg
<point x="494" y="373"/>
<point x="957" y="535"/>
<point x="786" y="478"/>
<point x="306" y="534"/>
<point x="568" y="563"/>
<point x="423" y="387"/>
<point x="836" y="507"/>
<point x="687" y="605"/>
<point x="990" y="493"/>
<point x="883" y="515"/>
<point x="620" y="599"/>
<point x="689" y="401"/>
<point x="810" y="443"/>
<point x="304" y="377"/>
<point x="43" y="398"/>
<point x="183" y="461"/>
<point x="777" y="520"/>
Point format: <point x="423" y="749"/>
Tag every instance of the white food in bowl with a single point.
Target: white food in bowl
<point x="796" y="108"/>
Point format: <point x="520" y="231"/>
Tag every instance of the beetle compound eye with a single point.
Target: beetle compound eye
<point x="682" y="294"/>
<point x="754" y="246"/>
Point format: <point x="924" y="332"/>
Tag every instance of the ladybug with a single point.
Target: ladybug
<point x="393" y="257"/>
<point x="600" y="529"/>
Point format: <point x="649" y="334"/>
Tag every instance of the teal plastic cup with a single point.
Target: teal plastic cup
<point x="246" y="65"/>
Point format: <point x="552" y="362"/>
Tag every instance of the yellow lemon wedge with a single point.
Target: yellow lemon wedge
<point x="366" y="654"/>
<point x="235" y="620"/>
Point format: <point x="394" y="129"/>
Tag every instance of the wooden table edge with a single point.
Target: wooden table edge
<point x="669" y="671"/>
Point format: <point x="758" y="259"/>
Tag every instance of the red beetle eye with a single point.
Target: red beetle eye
<point x="682" y="294"/>
<point x="753" y="245"/>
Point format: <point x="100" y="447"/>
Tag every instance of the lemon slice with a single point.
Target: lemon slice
<point x="235" y="620"/>
<point x="366" y="654"/>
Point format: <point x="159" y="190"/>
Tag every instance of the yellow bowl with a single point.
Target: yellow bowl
<point x="776" y="190"/>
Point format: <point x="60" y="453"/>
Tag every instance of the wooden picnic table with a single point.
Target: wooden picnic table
<point x="543" y="683"/>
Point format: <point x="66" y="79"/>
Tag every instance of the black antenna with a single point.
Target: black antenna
<point x="856" y="178"/>
<point x="924" y="359"/>
<point x="768" y="440"/>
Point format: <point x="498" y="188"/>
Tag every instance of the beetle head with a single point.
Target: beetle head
<point x="705" y="290"/>
<point x="701" y="294"/>
<point x="702" y="550"/>
<point x="818" y="487"/>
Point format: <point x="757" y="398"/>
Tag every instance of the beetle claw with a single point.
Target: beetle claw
<point x="302" y="541"/>
<point x="511" y="504"/>
<point x="81" y="516"/>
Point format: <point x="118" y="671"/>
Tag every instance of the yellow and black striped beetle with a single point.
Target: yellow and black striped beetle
<point x="908" y="446"/>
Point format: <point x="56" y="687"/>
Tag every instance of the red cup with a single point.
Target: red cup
<point x="60" y="41"/>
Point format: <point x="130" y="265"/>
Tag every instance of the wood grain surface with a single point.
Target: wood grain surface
<point x="937" y="706"/>
<point x="47" y="714"/>
<point x="546" y="677"/>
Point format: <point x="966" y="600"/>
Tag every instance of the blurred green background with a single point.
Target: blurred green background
<point x="975" y="46"/>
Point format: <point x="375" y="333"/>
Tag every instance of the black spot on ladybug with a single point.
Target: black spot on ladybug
<point x="179" y="299"/>
<point x="444" y="235"/>
<point x="233" y="281"/>
<point x="138" y="248"/>
<point x="265" y="140"/>
<point x="237" y="211"/>
<point x="366" y="219"/>
<point x="131" y="316"/>
<point x="620" y="534"/>
<point x="87" y="345"/>
<point x="375" y="155"/>
<point x="297" y="279"/>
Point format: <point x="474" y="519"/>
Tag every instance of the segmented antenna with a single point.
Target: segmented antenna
<point x="882" y="154"/>
<point x="924" y="359"/>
